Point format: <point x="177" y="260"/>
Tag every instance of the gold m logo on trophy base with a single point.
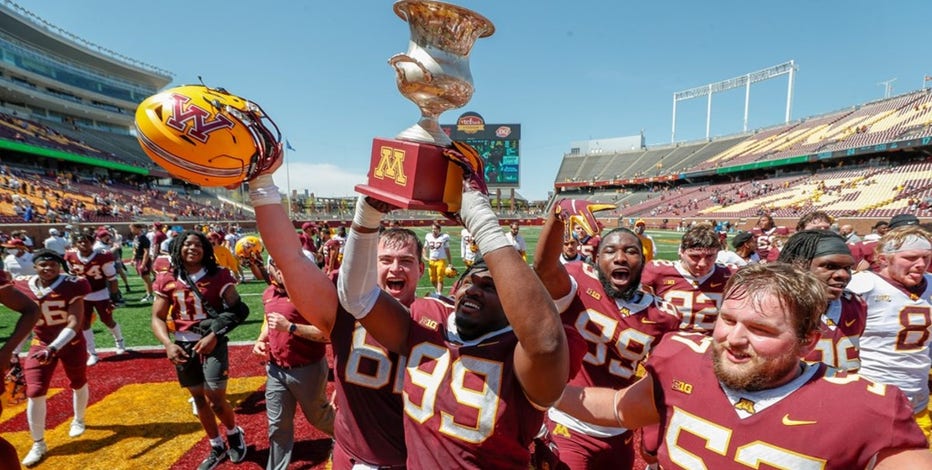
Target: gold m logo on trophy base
<point x="394" y="167"/>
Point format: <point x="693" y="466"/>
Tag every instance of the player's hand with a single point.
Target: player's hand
<point x="261" y="349"/>
<point x="380" y="206"/>
<point x="176" y="354"/>
<point x="6" y="362"/>
<point x="467" y="158"/>
<point x="579" y="212"/>
<point x="44" y="355"/>
<point x="278" y="322"/>
<point x="206" y="344"/>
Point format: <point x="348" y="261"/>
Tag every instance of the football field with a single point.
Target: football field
<point x="138" y="415"/>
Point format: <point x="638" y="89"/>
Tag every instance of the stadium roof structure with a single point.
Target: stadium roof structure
<point x="25" y="26"/>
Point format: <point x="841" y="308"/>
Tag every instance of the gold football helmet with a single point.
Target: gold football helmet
<point x="207" y="136"/>
<point x="248" y="247"/>
<point x="450" y="272"/>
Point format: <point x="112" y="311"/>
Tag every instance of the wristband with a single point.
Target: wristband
<point x="292" y="328"/>
<point x="65" y="336"/>
<point x="366" y="215"/>
<point x="263" y="192"/>
<point x="481" y="222"/>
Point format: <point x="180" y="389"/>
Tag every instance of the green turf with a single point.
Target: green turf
<point x="135" y="317"/>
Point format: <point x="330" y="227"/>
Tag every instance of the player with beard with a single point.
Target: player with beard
<point x="744" y="398"/>
<point x="99" y="270"/>
<point x="479" y="376"/>
<point x="60" y="300"/>
<point x="620" y="322"/>
<point x="767" y="235"/>
<point x="368" y="429"/>
<point x="695" y="283"/>
<point x="895" y="342"/>
<point x="826" y="255"/>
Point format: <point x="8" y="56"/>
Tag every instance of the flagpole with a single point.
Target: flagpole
<point x="288" y="182"/>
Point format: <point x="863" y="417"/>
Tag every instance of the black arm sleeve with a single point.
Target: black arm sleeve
<point x="229" y="319"/>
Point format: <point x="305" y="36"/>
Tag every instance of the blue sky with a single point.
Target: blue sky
<point x="565" y="71"/>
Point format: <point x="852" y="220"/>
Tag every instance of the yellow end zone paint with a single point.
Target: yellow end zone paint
<point x="137" y="426"/>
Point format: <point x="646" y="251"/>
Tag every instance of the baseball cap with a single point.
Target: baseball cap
<point x="101" y="232"/>
<point x="740" y="239"/>
<point x="54" y="231"/>
<point x="880" y="224"/>
<point x="15" y="243"/>
<point x="901" y="220"/>
<point x="640" y="222"/>
<point x="308" y="225"/>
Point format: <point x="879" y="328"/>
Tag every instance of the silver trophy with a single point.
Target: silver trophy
<point x="434" y="74"/>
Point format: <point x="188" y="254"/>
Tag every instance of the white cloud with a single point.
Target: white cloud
<point x="322" y="179"/>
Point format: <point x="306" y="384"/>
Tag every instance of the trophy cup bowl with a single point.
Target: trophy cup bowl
<point x="434" y="74"/>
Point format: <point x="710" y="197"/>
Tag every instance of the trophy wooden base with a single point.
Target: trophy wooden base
<point x="413" y="175"/>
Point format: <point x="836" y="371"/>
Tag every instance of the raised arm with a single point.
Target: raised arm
<point x="310" y="290"/>
<point x="542" y="356"/>
<point x="547" y="263"/>
<point x="386" y="319"/>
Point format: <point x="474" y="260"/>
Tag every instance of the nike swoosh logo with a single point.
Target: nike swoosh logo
<point x="793" y="422"/>
<point x="850" y="322"/>
<point x="716" y="284"/>
<point x="648" y="322"/>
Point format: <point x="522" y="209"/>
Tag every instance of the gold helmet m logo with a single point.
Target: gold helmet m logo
<point x="391" y="165"/>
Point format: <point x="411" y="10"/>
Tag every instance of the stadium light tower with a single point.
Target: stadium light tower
<point x="786" y="68"/>
<point x="887" y="87"/>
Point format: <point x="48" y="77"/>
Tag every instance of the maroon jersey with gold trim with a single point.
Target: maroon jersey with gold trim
<point x="463" y="404"/>
<point x="618" y="336"/>
<point x="819" y="425"/>
<point x="289" y="350"/>
<point x="697" y="300"/>
<point x="766" y="242"/>
<point x="187" y="309"/>
<point x="94" y="268"/>
<point x="369" y="379"/>
<point x="839" y="345"/>
<point x="53" y="302"/>
<point x="162" y="264"/>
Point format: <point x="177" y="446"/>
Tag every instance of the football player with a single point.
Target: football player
<point x="895" y="342"/>
<point x="202" y="300"/>
<point x="60" y="300"/>
<point x="828" y="258"/>
<point x="620" y="322"/>
<point x="98" y="268"/>
<point x="142" y="258"/>
<point x="744" y="398"/>
<point x="368" y="429"/>
<point x="113" y="243"/>
<point x="767" y="236"/>
<point x="28" y="316"/>
<point x="437" y="255"/>
<point x="695" y="283"/>
<point x="479" y="374"/>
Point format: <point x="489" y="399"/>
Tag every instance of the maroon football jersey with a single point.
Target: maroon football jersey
<point x="766" y="242"/>
<point x="186" y="307"/>
<point x="825" y="423"/>
<point x="53" y="302"/>
<point x="289" y="350"/>
<point x="94" y="268"/>
<point x="162" y="264"/>
<point x="369" y="425"/>
<point x="618" y="336"/>
<point x="838" y="346"/>
<point x="463" y="404"/>
<point x="697" y="300"/>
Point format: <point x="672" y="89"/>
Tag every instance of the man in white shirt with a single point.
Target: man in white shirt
<point x="18" y="261"/>
<point x="517" y="240"/>
<point x="56" y="242"/>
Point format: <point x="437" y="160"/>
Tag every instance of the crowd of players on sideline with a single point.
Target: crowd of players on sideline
<point x="754" y="349"/>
